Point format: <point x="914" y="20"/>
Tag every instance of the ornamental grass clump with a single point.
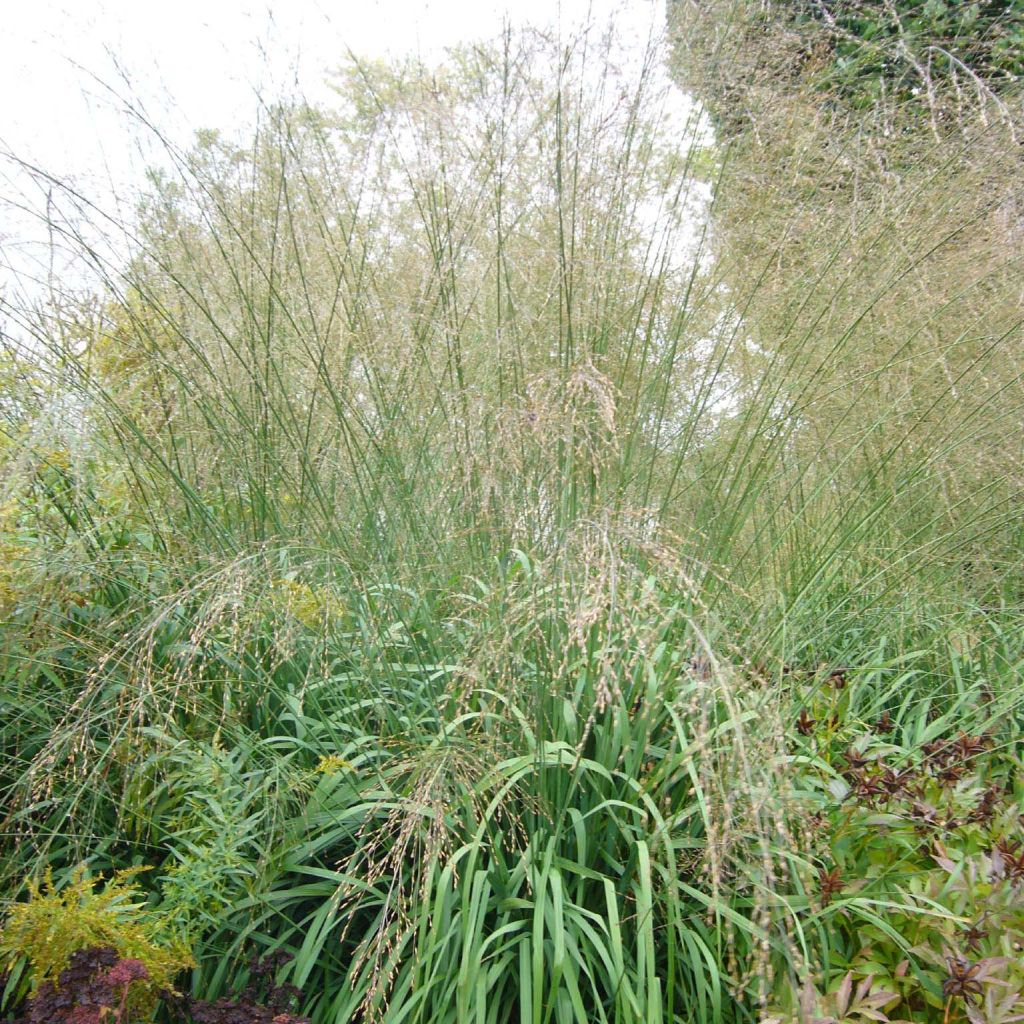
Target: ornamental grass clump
<point x="535" y="551"/>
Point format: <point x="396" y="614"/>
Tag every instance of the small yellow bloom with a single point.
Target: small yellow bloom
<point x="314" y="607"/>
<point x="331" y="764"/>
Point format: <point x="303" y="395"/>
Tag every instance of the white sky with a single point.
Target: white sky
<point x="199" y="64"/>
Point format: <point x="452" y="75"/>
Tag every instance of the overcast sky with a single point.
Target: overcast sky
<point x="199" y="64"/>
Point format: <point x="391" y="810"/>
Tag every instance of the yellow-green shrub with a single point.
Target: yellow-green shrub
<point x="42" y="933"/>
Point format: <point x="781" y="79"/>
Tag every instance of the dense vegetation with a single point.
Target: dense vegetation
<point x="492" y="552"/>
<point x="903" y="46"/>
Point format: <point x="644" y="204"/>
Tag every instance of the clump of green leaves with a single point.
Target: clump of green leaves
<point x="918" y="830"/>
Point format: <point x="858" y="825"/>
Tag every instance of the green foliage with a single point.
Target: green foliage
<point x="915" y="865"/>
<point x="468" y="587"/>
<point x="211" y="821"/>
<point x="912" y="47"/>
<point x="891" y="65"/>
<point x="509" y="849"/>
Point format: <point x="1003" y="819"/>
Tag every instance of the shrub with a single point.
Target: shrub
<point x="912" y="47"/>
<point x="43" y="934"/>
<point x="97" y="987"/>
<point x="912" y="907"/>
